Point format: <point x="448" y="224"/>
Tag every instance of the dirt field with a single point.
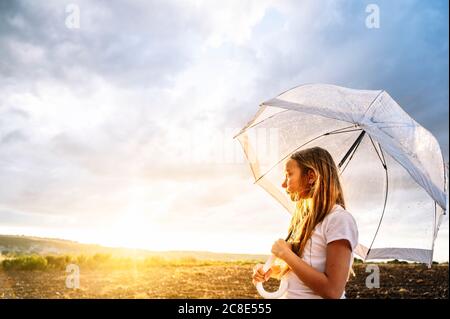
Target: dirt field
<point x="396" y="281"/>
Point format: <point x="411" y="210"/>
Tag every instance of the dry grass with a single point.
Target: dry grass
<point x="205" y="280"/>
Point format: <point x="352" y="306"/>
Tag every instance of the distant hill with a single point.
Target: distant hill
<point x="51" y="246"/>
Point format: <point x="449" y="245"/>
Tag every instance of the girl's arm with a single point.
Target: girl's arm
<point x="328" y="284"/>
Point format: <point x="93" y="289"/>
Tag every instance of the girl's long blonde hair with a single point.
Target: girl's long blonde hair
<point x="322" y="195"/>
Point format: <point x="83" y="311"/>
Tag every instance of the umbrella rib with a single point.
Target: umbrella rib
<point x="382" y="162"/>
<point x="399" y="125"/>
<point x="385" y="199"/>
<point x="328" y="133"/>
<point x="346" y="164"/>
<point x="372" y="103"/>
<point x="353" y="153"/>
<point x="256" y="181"/>
<point x="352" y="148"/>
<point x="254" y="124"/>
<point x="356" y="129"/>
<point x="340" y="130"/>
<point x="434" y="234"/>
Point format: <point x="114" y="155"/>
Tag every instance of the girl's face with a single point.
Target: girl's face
<point x="295" y="181"/>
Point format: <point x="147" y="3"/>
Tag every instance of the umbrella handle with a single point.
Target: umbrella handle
<point x="283" y="283"/>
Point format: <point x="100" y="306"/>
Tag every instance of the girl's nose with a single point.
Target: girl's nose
<point x="284" y="185"/>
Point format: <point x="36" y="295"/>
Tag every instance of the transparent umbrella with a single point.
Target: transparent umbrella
<point x="391" y="168"/>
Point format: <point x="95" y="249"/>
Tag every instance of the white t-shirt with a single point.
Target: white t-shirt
<point x="338" y="224"/>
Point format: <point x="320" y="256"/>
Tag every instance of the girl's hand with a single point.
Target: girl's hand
<point x="281" y="248"/>
<point x="259" y="275"/>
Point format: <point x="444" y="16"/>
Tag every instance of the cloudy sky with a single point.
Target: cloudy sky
<point x="118" y="129"/>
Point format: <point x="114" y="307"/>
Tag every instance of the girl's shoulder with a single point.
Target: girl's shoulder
<point x="340" y="224"/>
<point x="338" y="218"/>
<point x="338" y="212"/>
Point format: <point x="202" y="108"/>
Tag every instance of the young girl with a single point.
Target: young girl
<point x="318" y="252"/>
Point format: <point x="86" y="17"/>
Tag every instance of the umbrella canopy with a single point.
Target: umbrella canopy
<point x="391" y="168"/>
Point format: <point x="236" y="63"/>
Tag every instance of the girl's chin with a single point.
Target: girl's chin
<point x="293" y="197"/>
<point x="296" y="197"/>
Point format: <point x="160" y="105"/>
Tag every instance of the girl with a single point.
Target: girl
<point x="318" y="252"/>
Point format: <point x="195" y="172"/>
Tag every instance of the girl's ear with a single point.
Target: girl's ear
<point x="311" y="176"/>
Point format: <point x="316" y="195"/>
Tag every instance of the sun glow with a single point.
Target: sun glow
<point x="135" y="226"/>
